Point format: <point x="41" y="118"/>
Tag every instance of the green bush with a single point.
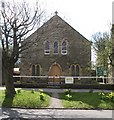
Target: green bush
<point x="69" y="96"/>
<point x="42" y="97"/>
<point x="19" y="91"/>
<point x="67" y="92"/>
<point x="110" y="96"/>
<point x="40" y="90"/>
<point x="107" y="96"/>
<point x="88" y="86"/>
<point x="102" y="95"/>
<point x="32" y="91"/>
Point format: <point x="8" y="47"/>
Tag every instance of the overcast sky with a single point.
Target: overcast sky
<point x="86" y="16"/>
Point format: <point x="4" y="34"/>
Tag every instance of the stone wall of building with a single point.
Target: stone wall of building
<point x="56" y="29"/>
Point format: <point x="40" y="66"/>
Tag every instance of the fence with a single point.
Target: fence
<point x="65" y="79"/>
<point x="74" y="82"/>
<point x="61" y="77"/>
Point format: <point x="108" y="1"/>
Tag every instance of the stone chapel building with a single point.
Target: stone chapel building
<point x="57" y="50"/>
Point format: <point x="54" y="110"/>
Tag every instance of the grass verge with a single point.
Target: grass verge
<point x="85" y="101"/>
<point x="25" y="99"/>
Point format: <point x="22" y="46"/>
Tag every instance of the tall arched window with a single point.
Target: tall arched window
<point x="77" y="70"/>
<point x="55" y="47"/>
<point x="47" y="48"/>
<point x="33" y="70"/>
<point x="73" y="70"/>
<point x="64" y="48"/>
<point x="37" y="70"/>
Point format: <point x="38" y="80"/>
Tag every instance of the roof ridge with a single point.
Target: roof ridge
<point x="53" y="17"/>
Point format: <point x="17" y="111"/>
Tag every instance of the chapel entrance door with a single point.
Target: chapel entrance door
<point x="55" y="71"/>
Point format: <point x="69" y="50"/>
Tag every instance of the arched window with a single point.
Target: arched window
<point x="47" y="48"/>
<point x="37" y="70"/>
<point x="33" y="70"/>
<point x="73" y="70"/>
<point x="55" y="47"/>
<point x="64" y="48"/>
<point x="77" y="70"/>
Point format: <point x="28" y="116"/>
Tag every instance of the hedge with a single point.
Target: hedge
<point x="89" y="86"/>
<point x="66" y="86"/>
<point x="29" y="85"/>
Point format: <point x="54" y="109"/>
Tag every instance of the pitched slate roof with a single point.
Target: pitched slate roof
<point x="56" y="17"/>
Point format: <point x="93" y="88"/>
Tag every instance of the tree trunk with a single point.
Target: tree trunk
<point x="8" y="79"/>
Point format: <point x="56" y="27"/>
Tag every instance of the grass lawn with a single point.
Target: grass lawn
<point x="25" y="99"/>
<point x="86" y="101"/>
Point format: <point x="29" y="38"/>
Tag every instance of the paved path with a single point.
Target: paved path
<point x="56" y="113"/>
<point x="55" y="101"/>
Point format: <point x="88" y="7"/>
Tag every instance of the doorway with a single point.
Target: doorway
<point x="55" y="71"/>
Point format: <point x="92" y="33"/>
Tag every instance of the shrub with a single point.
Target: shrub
<point x="88" y="86"/>
<point x="42" y="97"/>
<point x="40" y="90"/>
<point x="110" y="96"/>
<point x="32" y="91"/>
<point x="67" y="92"/>
<point x="19" y="91"/>
<point x="69" y="96"/>
<point x="102" y="95"/>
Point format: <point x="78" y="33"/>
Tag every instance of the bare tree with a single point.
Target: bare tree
<point x="17" y="21"/>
